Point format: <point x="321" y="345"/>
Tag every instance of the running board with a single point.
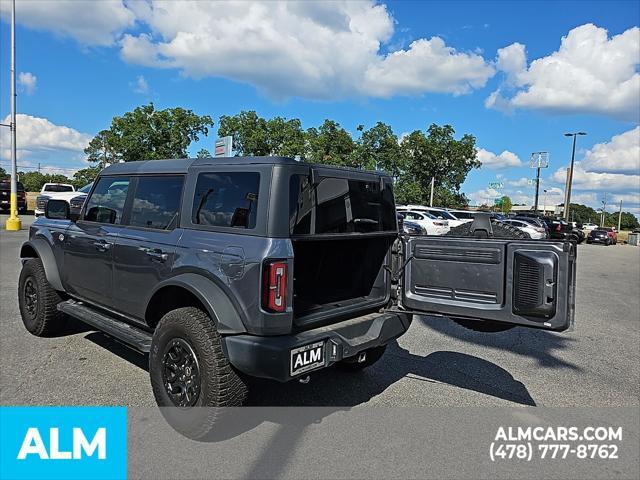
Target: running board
<point x="133" y="336"/>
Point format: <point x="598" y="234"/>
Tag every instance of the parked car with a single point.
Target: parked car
<point x="561" y="230"/>
<point x="222" y="268"/>
<point x="439" y="213"/>
<point x="589" y="226"/>
<point x="431" y="224"/>
<point x="76" y="202"/>
<point x="534" y="221"/>
<point x="600" y="235"/>
<point x="535" y="232"/>
<point x="462" y="215"/>
<point x="58" y="191"/>
<point x="5" y="196"/>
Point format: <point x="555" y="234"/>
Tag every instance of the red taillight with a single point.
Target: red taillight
<point x="558" y="228"/>
<point x="274" y="286"/>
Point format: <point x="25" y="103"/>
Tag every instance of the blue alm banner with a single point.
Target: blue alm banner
<point x="63" y="443"/>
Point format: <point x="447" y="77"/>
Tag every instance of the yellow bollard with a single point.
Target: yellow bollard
<point x="13" y="222"/>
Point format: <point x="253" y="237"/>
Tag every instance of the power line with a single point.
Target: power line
<point x="38" y="168"/>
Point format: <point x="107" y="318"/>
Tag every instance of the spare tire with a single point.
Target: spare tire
<point x="500" y="230"/>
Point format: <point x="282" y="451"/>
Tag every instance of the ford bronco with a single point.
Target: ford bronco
<point x="269" y="267"/>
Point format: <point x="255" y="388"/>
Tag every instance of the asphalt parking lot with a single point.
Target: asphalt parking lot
<point x="437" y="363"/>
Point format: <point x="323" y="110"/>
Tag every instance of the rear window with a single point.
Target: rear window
<point x="341" y="206"/>
<point x="226" y="199"/>
<point x="58" y="188"/>
<point x="6" y="185"/>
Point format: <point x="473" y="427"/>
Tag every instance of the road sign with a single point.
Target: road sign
<point x="496" y="185"/>
<point x="223" y="147"/>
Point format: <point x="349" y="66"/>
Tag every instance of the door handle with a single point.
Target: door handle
<point x="102" y="245"/>
<point x="155" y="254"/>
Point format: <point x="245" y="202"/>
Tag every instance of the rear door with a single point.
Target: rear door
<point x="518" y="282"/>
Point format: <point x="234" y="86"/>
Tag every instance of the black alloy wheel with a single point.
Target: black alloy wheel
<point x="30" y="292"/>
<point x="181" y="373"/>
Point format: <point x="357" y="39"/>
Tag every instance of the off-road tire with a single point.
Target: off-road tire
<point x="41" y="319"/>
<point x="373" y="355"/>
<point x="500" y="230"/>
<point x="219" y="386"/>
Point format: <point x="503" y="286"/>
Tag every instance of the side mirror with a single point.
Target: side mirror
<point x="57" y="210"/>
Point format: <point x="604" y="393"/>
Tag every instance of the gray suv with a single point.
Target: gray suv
<point x="268" y="267"/>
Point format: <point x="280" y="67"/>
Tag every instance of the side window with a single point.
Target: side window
<point x="106" y="203"/>
<point x="156" y="202"/>
<point x="226" y="199"/>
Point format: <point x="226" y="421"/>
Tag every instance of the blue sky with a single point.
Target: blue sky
<point x="497" y="70"/>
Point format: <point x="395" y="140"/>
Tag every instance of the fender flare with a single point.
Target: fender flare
<point x="218" y="304"/>
<point x="44" y="252"/>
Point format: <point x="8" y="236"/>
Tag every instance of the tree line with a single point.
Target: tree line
<point x="147" y="133"/>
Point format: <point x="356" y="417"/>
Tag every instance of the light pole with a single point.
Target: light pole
<point x="544" y="204"/>
<point x="567" y="195"/>
<point x="13" y="222"/>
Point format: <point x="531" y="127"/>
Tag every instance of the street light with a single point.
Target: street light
<point x="567" y="195"/>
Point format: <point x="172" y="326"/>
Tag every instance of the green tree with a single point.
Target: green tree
<point x="84" y="176"/>
<point x="33" y="181"/>
<point x="506" y="204"/>
<point x="378" y="149"/>
<point x="257" y="136"/>
<point x="439" y="155"/>
<point x="330" y="144"/>
<point x="3" y="174"/>
<point x="203" y="153"/>
<point x="148" y="134"/>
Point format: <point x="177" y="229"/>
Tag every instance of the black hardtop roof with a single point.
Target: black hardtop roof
<point x="182" y="165"/>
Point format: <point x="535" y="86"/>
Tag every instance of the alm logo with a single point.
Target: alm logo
<point x="33" y="445"/>
<point x="63" y="443"/>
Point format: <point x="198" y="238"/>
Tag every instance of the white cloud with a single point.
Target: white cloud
<point x="140" y="85"/>
<point x="620" y="155"/>
<point x="512" y="60"/>
<point x="627" y="199"/>
<point x="521" y="182"/>
<point x="88" y="22"/>
<point x="27" y="82"/>
<point x="36" y="135"/>
<point x="506" y="159"/>
<point x="589" y="73"/>
<point x="307" y="49"/>
<point x="484" y="196"/>
<point x="585" y="180"/>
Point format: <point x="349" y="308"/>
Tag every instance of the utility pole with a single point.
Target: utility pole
<point x="13" y="222"/>
<point x="544" y="204"/>
<point x="620" y="215"/>
<point x="567" y="193"/>
<point x="604" y="209"/>
<point x="433" y="181"/>
<point x="538" y="160"/>
<point x="566" y="189"/>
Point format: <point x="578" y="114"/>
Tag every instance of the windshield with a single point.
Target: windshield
<point x="58" y="188"/>
<point x="86" y="188"/>
<point x="341" y="205"/>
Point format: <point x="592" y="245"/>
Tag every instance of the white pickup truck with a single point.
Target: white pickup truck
<point x="57" y="191"/>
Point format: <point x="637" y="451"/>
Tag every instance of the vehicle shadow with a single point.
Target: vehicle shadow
<point x="541" y="345"/>
<point x="139" y="359"/>
<point x="333" y="387"/>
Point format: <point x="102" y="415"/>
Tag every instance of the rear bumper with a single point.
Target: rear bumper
<point x="270" y="357"/>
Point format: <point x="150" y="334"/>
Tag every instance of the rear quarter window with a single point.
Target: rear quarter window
<point x="226" y="199"/>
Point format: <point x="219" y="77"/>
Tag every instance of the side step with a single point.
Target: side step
<point x="133" y="336"/>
